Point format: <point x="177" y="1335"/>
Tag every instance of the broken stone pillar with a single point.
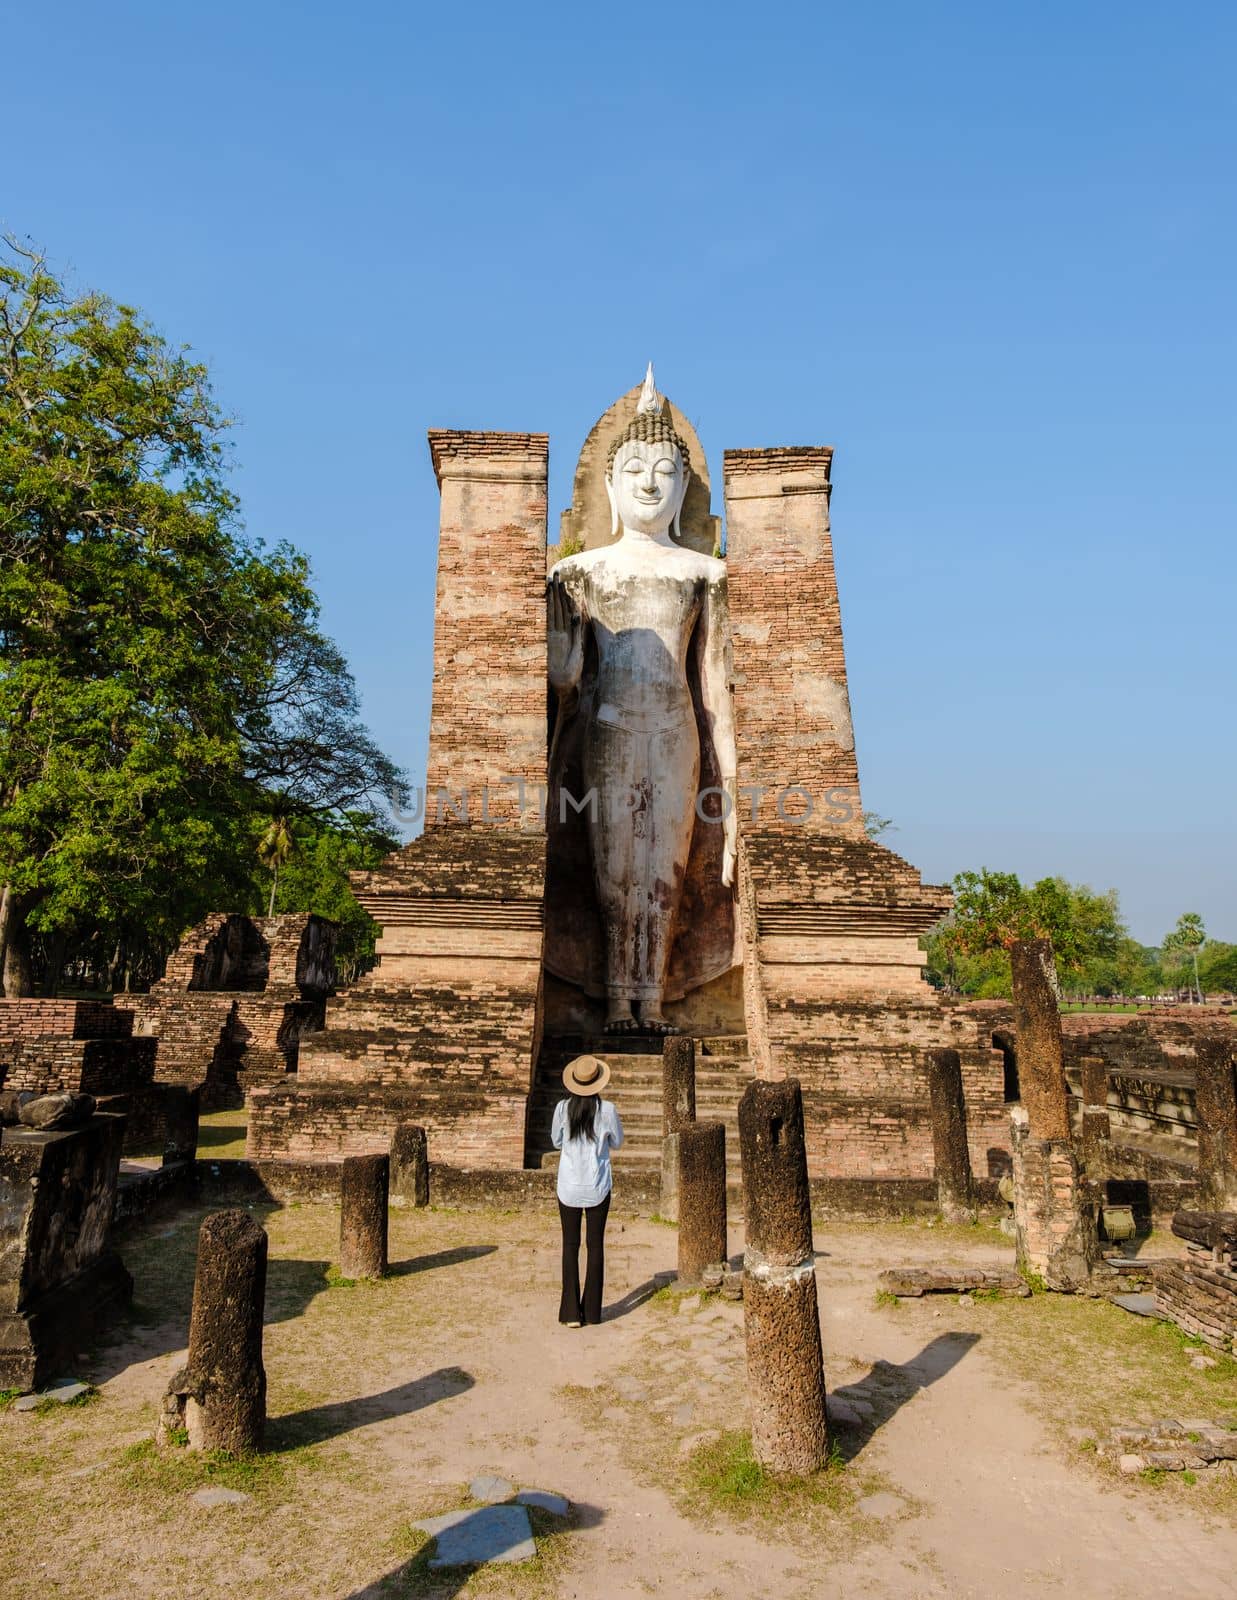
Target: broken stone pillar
<point x="180" y="1123"/>
<point x="1054" y="1218"/>
<point x="1096" y="1127"/>
<point x="702" y="1199"/>
<point x="410" y="1166"/>
<point x="219" y="1397"/>
<point x="955" y="1186"/>
<point x="60" y="1281"/>
<point x="1215" y="1108"/>
<point x="678" y="1110"/>
<point x="785" y="1372"/>
<point x="364" y="1190"/>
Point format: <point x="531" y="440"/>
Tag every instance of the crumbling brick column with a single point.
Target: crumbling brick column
<point x="678" y="1110"/>
<point x="410" y="1165"/>
<point x="785" y="1371"/>
<point x="180" y="1123"/>
<point x="219" y="1396"/>
<point x="1096" y="1126"/>
<point x="1215" y="1107"/>
<point x="955" y="1186"/>
<point x="702" y="1199"/>
<point x="364" y="1192"/>
<point x="1054" y="1219"/>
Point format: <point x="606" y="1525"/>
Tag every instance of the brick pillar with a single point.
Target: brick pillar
<point x="364" y="1192"/>
<point x="702" y="1199"/>
<point x="489" y="626"/>
<point x="219" y="1396"/>
<point x="792" y="704"/>
<point x="678" y="1110"/>
<point x="1096" y="1126"/>
<point x="1037" y="1024"/>
<point x="955" y="1187"/>
<point x="410" y="1166"/>
<point x="1215" y="1107"/>
<point x="785" y="1370"/>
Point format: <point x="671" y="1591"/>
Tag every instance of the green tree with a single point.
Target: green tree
<point x="968" y="949"/>
<point x="274" y="848"/>
<point x="315" y="879"/>
<point x="1184" y="943"/>
<point x="162" y="680"/>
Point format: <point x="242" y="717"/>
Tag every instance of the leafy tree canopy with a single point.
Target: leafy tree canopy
<point x="163" y="680"/>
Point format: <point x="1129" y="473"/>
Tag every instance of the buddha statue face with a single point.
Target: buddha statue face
<point x="646" y="485"/>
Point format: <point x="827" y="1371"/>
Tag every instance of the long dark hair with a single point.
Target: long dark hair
<point x="581" y="1115"/>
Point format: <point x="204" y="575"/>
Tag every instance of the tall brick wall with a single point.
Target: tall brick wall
<point x="792" y="703"/>
<point x="488" y="715"/>
<point x="446" y="1029"/>
<point x="833" y="989"/>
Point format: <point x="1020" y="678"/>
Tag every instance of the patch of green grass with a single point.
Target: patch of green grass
<point x="1153" y="1475"/>
<point x="336" y="1280"/>
<point x="1189" y="1477"/>
<point x="663" y="1222"/>
<point x="146" y="1467"/>
<point x="727" y="1473"/>
<point x="886" y="1300"/>
<point x="1033" y="1280"/>
<point x="7" y="1397"/>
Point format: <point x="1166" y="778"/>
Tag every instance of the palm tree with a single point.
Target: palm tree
<point x="274" y="848"/>
<point x="1188" y="937"/>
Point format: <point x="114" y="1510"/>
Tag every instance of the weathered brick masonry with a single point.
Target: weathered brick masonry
<point x="833" y="984"/>
<point x="238" y="996"/>
<point x="446" y="1030"/>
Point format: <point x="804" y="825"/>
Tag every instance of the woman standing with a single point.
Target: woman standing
<point x="585" y="1128"/>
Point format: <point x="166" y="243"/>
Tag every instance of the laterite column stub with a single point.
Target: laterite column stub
<point x="1215" y="1102"/>
<point x="1037" y="1023"/>
<point x="702" y="1199"/>
<point x="678" y="1110"/>
<point x="219" y="1397"/>
<point x="410" y="1166"/>
<point x="364" y="1190"/>
<point x="955" y="1188"/>
<point x="785" y="1370"/>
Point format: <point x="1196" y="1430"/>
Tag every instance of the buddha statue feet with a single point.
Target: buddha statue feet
<point x="654" y="1022"/>
<point x="621" y="1020"/>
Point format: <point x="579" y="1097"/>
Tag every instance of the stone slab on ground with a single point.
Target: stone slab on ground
<point x="472" y="1538"/>
<point x="915" y="1281"/>
<point x="489" y="1488"/>
<point x="1142" y="1305"/>
<point x="61" y="1392"/>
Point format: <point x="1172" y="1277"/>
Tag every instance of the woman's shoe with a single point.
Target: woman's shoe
<point x="571" y="1324"/>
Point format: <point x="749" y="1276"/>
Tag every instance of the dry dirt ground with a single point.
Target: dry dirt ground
<point x="966" y="1477"/>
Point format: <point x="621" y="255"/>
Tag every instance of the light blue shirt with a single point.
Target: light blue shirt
<point x="584" y="1177"/>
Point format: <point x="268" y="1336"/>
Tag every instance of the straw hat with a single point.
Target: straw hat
<point x="586" y="1075"/>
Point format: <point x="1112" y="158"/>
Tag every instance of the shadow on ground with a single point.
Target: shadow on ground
<point x="415" y="1576"/>
<point x="635" y="1298"/>
<point x="887" y="1387"/>
<point x="440" y="1258"/>
<point x="318" y="1423"/>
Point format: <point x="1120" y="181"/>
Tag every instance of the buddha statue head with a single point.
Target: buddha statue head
<point x="648" y="469"/>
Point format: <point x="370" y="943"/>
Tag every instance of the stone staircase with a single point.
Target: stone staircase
<point x="723" y="1071"/>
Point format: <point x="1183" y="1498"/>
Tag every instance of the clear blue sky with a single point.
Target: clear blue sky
<point x="986" y="251"/>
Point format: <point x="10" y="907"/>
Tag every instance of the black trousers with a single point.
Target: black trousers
<point x="573" y="1307"/>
